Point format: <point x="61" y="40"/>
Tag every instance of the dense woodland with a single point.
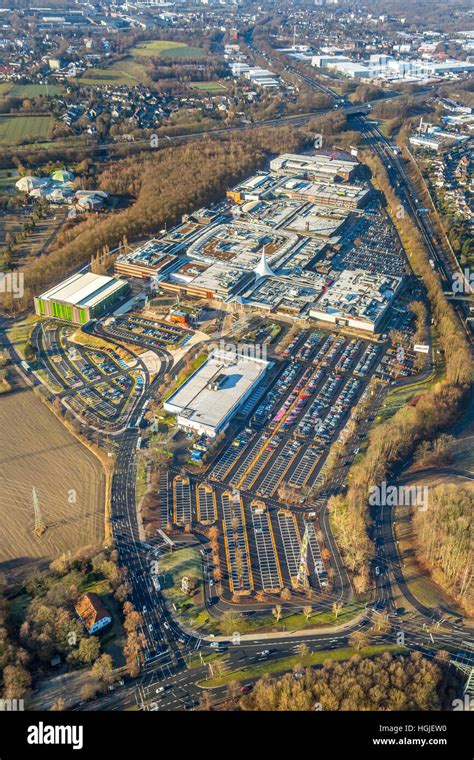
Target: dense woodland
<point x="445" y="540"/>
<point x="381" y="683"/>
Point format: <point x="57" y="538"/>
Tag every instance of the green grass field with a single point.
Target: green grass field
<point x="34" y="90"/>
<point x="8" y="177"/>
<point x="170" y="48"/>
<point x="131" y="70"/>
<point x="20" y="333"/>
<point x="288" y="663"/>
<point x="190" y="610"/>
<point x="5" y="87"/>
<point x="17" y="129"/>
<point x="126" y="72"/>
<point x="208" y="86"/>
<point x="184" y="52"/>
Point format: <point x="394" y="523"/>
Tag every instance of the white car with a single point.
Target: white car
<point x="166" y="625"/>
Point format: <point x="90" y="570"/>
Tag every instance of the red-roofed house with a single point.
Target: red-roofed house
<point x="93" y="613"/>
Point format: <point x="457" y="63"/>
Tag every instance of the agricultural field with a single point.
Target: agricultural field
<point x="37" y="451"/>
<point x="18" y="129"/>
<point x="29" y="90"/>
<point x="169" y="48"/>
<point x="125" y="72"/>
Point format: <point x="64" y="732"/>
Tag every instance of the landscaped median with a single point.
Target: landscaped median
<point x="288" y="663"/>
<point x="189" y="609"/>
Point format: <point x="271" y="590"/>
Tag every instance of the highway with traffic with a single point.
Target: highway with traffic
<point x="177" y="661"/>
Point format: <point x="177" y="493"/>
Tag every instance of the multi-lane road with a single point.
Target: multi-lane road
<point x="444" y="262"/>
<point x="166" y="681"/>
<point x="168" y="649"/>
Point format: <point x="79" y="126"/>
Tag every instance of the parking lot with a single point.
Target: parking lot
<point x="371" y="244"/>
<point x="290" y="430"/>
<point x="291" y="542"/>
<point x="146" y="332"/>
<point x="277" y="471"/>
<point x="317" y="562"/>
<point x="306" y="465"/>
<point x="230" y="455"/>
<point x="269" y="565"/>
<point x="206" y="505"/>
<point x="283" y="442"/>
<point x="97" y="384"/>
<point x="236" y="544"/>
<point x="182" y="506"/>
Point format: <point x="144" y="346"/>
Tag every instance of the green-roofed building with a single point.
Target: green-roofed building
<point x="82" y="297"/>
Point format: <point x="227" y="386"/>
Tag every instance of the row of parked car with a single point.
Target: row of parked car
<point x="347" y="359"/>
<point x="276" y="393"/>
<point x="365" y="362"/>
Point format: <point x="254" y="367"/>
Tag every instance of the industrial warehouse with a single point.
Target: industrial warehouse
<point x="213" y="394"/>
<point x="81" y="297"/>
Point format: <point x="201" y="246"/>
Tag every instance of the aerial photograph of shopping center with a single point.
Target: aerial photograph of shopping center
<point x="236" y="363"/>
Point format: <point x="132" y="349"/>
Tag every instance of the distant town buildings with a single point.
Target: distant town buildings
<point x="385" y="67"/>
<point x="433" y="138"/>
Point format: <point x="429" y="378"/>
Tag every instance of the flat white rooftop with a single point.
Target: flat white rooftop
<point x="233" y="376"/>
<point x="83" y="289"/>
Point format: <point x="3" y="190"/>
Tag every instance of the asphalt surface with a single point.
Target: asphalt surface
<point x="167" y="657"/>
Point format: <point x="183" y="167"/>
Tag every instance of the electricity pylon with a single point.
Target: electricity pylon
<point x="40" y="526"/>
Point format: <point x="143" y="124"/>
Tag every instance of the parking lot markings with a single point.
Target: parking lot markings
<point x="164" y="498"/>
<point x="249" y="454"/>
<point x="228" y="459"/>
<point x="279" y="468"/>
<point x="270" y="572"/>
<point x="182" y="508"/>
<point x="206" y="505"/>
<point x="305" y="467"/>
<point x="315" y="553"/>
<point x="236" y="543"/>
<point x="291" y="539"/>
<point x="263" y="451"/>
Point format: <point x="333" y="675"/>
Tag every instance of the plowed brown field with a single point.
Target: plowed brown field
<point x="36" y="451"/>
